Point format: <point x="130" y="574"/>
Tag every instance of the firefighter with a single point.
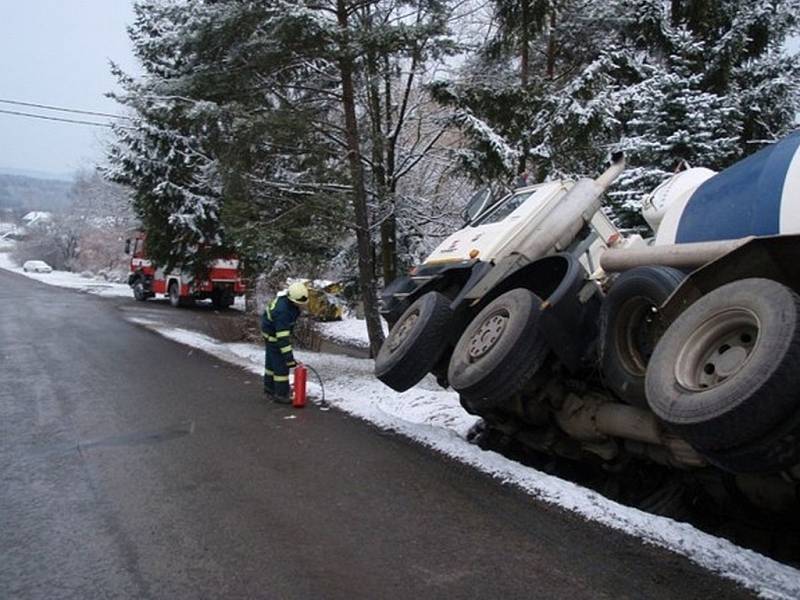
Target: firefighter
<point x="277" y="323"/>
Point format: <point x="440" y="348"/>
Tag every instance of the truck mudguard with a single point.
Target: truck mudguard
<point x="772" y="257"/>
<point x="402" y="291"/>
<point x="569" y="319"/>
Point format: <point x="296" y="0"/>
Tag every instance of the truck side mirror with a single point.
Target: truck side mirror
<point x="128" y="246"/>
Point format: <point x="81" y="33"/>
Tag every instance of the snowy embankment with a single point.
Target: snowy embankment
<point x="352" y="332"/>
<point x="434" y="418"/>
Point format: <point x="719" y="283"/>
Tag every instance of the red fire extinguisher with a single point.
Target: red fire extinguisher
<point x="300" y="378"/>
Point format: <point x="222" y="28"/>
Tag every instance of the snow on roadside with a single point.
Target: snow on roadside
<point x="69" y="280"/>
<point x="434" y="418"/>
<point x="349" y="331"/>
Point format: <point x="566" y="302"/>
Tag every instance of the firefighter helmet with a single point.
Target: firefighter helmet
<point x="298" y="293"/>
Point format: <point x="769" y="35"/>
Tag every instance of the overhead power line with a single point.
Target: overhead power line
<point x="48" y="118"/>
<point x="62" y="109"/>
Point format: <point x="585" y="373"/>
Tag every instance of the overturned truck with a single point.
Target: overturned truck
<point x="580" y="342"/>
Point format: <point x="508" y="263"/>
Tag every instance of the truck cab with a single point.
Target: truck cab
<point x="547" y="238"/>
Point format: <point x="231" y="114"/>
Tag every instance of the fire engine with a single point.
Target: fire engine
<point x="222" y="283"/>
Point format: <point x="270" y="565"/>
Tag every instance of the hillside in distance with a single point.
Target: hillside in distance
<point x="22" y="193"/>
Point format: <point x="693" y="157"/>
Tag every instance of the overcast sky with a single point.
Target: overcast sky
<point x="57" y="52"/>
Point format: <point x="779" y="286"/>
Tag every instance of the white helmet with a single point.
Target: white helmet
<point x="298" y="293"/>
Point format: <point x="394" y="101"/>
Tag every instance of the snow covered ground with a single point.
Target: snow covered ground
<point x="69" y="280"/>
<point x="434" y="418"/>
<point x="349" y="331"/>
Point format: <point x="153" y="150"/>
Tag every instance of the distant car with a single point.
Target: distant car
<point x="36" y="266"/>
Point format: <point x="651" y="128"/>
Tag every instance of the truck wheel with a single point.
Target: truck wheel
<point x="500" y="350"/>
<point x="725" y="373"/>
<point x="139" y="292"/>
<point x="415" y="343"/>
<point x="776" y="452"/>
<point x="630" y="326"/>
<point x="174" y="293"/>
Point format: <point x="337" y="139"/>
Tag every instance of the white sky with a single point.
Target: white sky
<point x="56" y="52"/>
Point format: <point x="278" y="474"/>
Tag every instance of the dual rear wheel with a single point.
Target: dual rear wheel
<point x="724" y="376"/>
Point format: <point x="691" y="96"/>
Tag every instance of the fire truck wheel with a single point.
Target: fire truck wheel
<point x="174" y="294"/>
<point x="500" y="350"/>
<point x="725" y="373"/>
<point x="139" y="292"/>
<point x="415" y="343"/>
<point x="630" y="326"/>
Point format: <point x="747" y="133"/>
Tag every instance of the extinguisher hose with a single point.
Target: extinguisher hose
<point x="321" y="385"/>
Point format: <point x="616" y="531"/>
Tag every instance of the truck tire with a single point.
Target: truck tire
<point x="775" y="452"/>
<point x="174" y="293"/>
<point x="630" y="326"/>
<point x="725" y="373"/>
<point x="139" y="292"/>
<point x="500" y="350"/>
<point x="416" y="342"/>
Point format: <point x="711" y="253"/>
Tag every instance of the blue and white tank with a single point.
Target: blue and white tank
<point x="759" y="195"/>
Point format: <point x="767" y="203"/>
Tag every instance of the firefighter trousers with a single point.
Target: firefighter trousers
<point x="276" y="371"/>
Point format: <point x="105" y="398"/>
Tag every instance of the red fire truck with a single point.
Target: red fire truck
<point x="222" y="284"/>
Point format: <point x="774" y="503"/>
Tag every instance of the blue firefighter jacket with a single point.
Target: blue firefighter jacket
<point x="277" y="323"/>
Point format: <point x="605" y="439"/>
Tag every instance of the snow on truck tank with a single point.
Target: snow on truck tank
<point x="759" y="195"/>
<point x="491" y="231"/>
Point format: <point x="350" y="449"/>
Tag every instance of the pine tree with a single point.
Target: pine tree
<point x="675" y="122"/>
<point x="275" y="126"/>
<point x="689" y="80"/>
<point x="164" y="155"/>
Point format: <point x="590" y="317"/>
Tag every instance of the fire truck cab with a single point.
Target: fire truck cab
<point x="221" y="285"/>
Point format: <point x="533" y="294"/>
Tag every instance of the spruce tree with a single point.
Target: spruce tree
<point x="688" y="80"/>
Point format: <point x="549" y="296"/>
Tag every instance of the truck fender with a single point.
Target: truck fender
<point x="403" y="291"/>
<point x="177" y="280"/>
<point x="478" y="273"/>
<point x="569" y="317"/>
<point x="770" y="257"/>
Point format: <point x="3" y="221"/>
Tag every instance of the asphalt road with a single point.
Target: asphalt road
<point x="131" y="467"/>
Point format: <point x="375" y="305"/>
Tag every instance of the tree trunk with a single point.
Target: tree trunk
<point x="383" y="166"/>
<point x="523" y="76"/>
<point x="551" y="46"/>
<point x="366" y="269"/>
<point x="389" y="248"/>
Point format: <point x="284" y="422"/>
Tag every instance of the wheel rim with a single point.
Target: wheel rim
<point x="399" y="335"/>
<point x="637" y="331"/>
<point x="487" y="335"/>
<point x="717" y="350"/>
